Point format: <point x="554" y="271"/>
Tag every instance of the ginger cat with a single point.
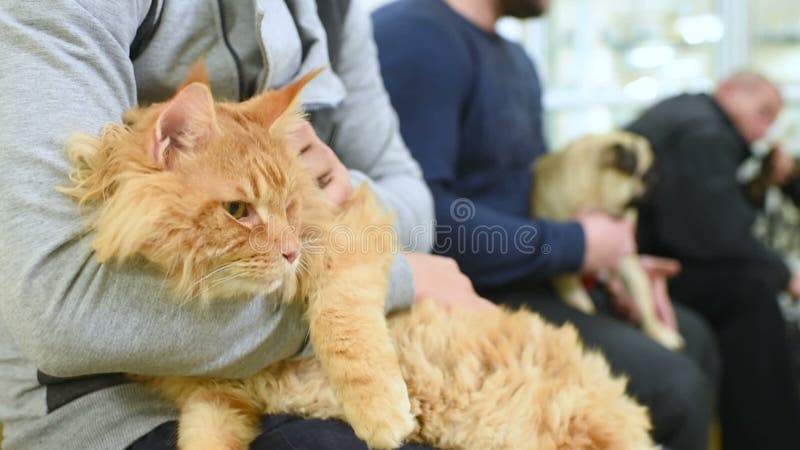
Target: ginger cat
<point x="214" y="195"/>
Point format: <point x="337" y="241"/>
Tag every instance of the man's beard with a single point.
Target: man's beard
<point x="523" y="9"/>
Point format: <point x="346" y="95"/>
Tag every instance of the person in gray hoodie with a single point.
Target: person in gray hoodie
<point x="71" y="327"/>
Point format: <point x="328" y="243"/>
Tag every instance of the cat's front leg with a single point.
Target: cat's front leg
<point x="213" y="419"/>
<point x="351" y="339"/>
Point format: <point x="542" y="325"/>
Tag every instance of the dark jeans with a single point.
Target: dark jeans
<point x="277" y="433"/>
<point x="677" y="387"/>
<point x="759" y="400"/>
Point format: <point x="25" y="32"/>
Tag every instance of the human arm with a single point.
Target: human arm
<point x="434" y="277"/>
<point x="66" y="68"/>
<point x="367" y="142"/>
<point x="368" y="138"/>
<point x="494" y="248"/>
<point x="428" y="72"/>
<point x="701" y="212"/>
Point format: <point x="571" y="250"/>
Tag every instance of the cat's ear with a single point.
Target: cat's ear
<point x="197" y="74"/>
<point x="279" y="109"/>
<point x="186" y="121"/>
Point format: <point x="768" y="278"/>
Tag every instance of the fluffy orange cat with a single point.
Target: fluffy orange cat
<point x="215" y="196"/>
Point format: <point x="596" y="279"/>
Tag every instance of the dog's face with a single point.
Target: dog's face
<point x="622" y="162"/>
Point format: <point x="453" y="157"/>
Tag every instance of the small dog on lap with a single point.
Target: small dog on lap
<point x="601" y="172"/>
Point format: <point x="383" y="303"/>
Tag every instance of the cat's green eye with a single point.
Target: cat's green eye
<point x="236" y="209"/>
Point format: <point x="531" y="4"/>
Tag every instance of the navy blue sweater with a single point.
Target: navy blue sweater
<point x="470" y="110"/>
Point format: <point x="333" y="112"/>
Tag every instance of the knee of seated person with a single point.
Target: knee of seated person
<point x="682" y="397"/>
<point x="747" y="290"/>
<point x="701" y="344"/>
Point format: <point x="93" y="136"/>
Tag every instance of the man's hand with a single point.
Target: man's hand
<point x="794" y="286"/>
<point x="607" y="241"/>
<point x="440" y="279"/>
<point x="324" y="165"/>
<point x="659" y="270"/>
<point x="783" y="166"/>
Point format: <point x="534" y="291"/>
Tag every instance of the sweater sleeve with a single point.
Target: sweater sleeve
<point x="495" y="249"/>
<point x="65" y="68"/>
<point x="368" y="142"/>
<point x="427" y="71"/>
<point x="368" y="138"/>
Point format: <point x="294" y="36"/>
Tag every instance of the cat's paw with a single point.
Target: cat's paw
<point x="386" y="430"/>
<point x="383" y="421"/>
<point x="211" y="443"/>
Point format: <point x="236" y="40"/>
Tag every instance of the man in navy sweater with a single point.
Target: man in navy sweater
<point x="470" y="110"/>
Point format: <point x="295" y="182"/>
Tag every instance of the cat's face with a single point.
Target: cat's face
<point x="213" y="194"/>
<point x="236" y="213"/>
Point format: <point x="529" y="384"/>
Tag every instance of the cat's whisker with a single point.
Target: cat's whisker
<point x="302" y="268"/>
<point x="302" y="263"/>
<point x="207" y="288"/>
<point x="225" y="279"/>
<point x="307" y="243"/>
<point x="210" y="274"/>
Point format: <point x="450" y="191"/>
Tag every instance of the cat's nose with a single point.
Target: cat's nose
<point x="290" y="256"/>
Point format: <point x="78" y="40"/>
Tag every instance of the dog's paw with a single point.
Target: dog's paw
<point x="667" y="337"/>
<point x="582" y="304"/>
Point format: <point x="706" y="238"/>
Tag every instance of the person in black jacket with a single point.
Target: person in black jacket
<point x="700" y="214"/>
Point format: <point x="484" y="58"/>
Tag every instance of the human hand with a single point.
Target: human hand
<point x="794" y="286"/>
<point x="783" y="166"/>
<point x="440" y="279"/>
<point x="608" y="240"/>
<point x="658" y="270"/>
<point x="331" y="175"/>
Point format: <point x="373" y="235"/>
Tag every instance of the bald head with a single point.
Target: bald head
<point x="751" y="101"/>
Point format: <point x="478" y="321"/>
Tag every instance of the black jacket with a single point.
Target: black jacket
<point x="697" y="211"/>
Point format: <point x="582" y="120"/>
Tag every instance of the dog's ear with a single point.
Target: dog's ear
<point x="623" y="157"/>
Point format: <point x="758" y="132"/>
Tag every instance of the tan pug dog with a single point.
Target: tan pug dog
<point x="602" y="172"/>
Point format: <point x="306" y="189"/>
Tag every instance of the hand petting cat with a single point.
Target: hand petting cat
<point x="439" y="278"/>
<point x="435" y="277"/>
<point x="324" y="165"/>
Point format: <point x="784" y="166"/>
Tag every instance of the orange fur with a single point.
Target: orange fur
<point x="454" y="379"/>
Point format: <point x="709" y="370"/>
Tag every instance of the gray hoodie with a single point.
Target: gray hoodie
<point x="65" y="67"/>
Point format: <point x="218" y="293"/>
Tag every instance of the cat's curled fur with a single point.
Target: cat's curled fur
<point x="214" y="195"/>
